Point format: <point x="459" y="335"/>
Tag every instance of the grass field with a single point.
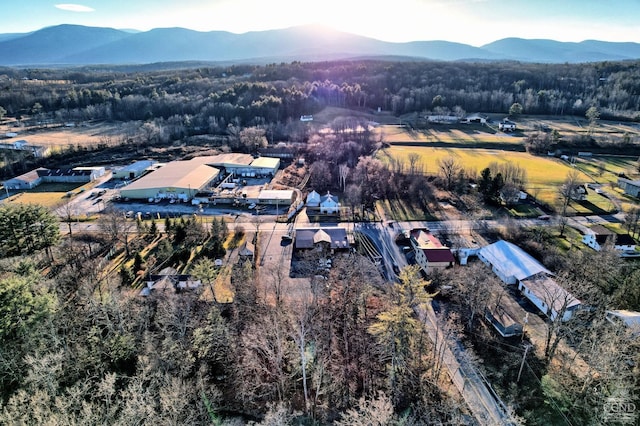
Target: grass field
<point x="541" y="171"/>
<point x="544" y="175"/>
<point x="50" y="195"/>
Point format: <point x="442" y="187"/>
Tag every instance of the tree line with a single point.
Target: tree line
<point x="211" y="98"/>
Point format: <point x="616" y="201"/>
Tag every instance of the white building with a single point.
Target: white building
<point x="313" y="199"/>
<point x="329" y="204"/>
<point x="507" y="125"/>
<point x="514" y="266"/>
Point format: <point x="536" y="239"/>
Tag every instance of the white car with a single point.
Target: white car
<point x="252" y="206"/>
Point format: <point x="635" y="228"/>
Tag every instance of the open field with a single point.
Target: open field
<point x="541" y="171"/>
<point x="50" y="195"/>
<point x="87" y="134"/>
<point x="574" y="125"/>
<point x="473" y="135"/>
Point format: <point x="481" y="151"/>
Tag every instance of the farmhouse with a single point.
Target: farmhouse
<point x="330" y="237"/>
<point x="630" y="187"/>
<point x="599" y="236"/>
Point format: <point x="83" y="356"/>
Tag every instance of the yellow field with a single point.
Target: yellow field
<point x="50" y="200"/>
<point x="541" y="171"/>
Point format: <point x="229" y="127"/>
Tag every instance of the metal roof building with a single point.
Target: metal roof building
<point x="510" y="263"/>
<point x="178" y="179"/>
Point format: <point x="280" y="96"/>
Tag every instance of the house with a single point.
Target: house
<point x="507" y="125"/>
<point x="329" y="204"/>
<point x="599" y="236"/>
<point x="630" y="187"/>
<point x="332" y="238"/>
<point x="313" y="199"/>
<point x="579" y="193"/>
<point x="549" y="297"/>
<point x="513" y="197"/>
<point x="247" y="251"/>
<point x="169" y="280"/>
<point x="429" y="252"/>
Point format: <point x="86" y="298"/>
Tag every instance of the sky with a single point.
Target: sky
<point x="474" y="22"/>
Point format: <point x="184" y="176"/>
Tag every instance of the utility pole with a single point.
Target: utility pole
<point x="526" y="349"/>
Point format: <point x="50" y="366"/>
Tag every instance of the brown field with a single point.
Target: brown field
<point x="469" y="134"/>
<point x="85" y="134"/>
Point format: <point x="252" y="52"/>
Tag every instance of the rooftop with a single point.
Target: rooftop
<point x="437" y="255"/>
<point x="423" y="239"/>
<point x="335" y="236"/>
<point x="266" y="162"/>
<point x="512" y="260"/>
<point x="224" y="160"/>
<point x="549" y="291"/>
<point x="181" y="174"/>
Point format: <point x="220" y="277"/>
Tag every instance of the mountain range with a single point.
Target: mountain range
<point x="74" y="45"/>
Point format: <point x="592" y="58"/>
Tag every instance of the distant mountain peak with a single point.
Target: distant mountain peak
<point x="69" y="44"/>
